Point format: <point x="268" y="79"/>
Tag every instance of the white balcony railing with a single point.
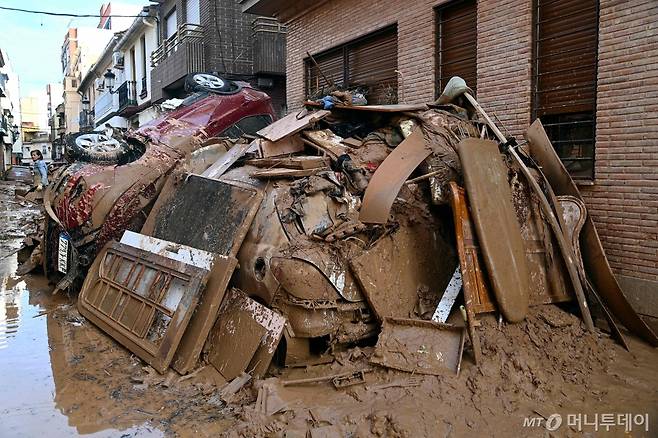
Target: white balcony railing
<point x="106" y="103"/>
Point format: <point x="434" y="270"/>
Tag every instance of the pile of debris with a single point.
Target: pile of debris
<point x="331" y="228"/>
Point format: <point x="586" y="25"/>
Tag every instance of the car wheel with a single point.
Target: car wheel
<point x="210" y="83"/>
<point x="101" y="148"/>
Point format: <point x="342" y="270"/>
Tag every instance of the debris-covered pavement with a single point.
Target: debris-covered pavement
<point x="395" y="270"/>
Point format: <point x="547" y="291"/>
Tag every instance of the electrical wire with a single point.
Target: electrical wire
<point x="61" y="14"/>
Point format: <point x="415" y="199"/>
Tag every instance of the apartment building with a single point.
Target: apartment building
<point x="215" y="36"/>
<point x="116" y="89"/>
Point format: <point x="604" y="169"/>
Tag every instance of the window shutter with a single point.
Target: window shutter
<point x="331" y="65"/>
<point x="457" y="43"/>
<point x="372" y="64"/>
<point x="565" y="58"/>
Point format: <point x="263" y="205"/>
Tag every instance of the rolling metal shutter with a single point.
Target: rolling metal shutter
<point x="457" y="43"/>
<point x="565" y="60"/>
<point x="369" y="62"/>
<point x="372" y="63"/>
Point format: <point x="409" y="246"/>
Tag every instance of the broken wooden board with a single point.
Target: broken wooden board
<point x="387" y="180"/>
<point x="392" y="272"/>
<point x="288" y="145"/>
<point x="419" y="347"/>
<point x="352" y="142"/>
<point x="496" y="225"/>
<point x="230" y="209"/>
<point x="291" y="124"/>
<point x="142" y="300"/>
<point x="594" y="259"/>
<point x="285" y="173"/>
<point x="476" y="293"/>
<point x="293" y="162"/>
<point x="220" y="166"/>
<point x="244" y="337"/>
<point x="195" y="336"/>
<point x="394" y="108"/>
<point x="326" y="141"/>
<point x="549" y="281"/>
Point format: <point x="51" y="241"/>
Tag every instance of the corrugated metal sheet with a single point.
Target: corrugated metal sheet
<point x="565" y="61"/>
<point x="457" y="43"/>
<point x="370" y="62"/>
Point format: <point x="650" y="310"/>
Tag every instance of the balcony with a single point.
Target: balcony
<point x="127" y="99"/>
<point x="177" y="56"/>
<point x="269" y="44"/>
<point x="105" y="107"/>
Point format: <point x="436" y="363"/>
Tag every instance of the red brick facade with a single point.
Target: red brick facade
<point x="624" y="197"/>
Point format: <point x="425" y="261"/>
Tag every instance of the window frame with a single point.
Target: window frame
<point x="345" y="49"/>
<point x="591" y="178"/>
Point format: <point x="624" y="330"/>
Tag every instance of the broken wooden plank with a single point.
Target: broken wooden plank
<point x="294" y="162"/>
<point x="291" y="124"/>
<point x="285" y="146"/>
<point x="326" y="141"/>
<point x="385" y="184"/>
<point x="228" y="159"/>
<point x="285" y="173"/>
<point x="353" y="142"/>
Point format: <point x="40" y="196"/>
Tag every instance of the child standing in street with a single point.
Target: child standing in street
<point x="40" y="170"/>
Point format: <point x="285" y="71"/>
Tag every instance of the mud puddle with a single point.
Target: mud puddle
<point x="60" y="376"/>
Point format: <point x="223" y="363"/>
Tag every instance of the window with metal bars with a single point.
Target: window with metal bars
<point x="564" y="92"/>
<point x="456" y="47"/>
<point x="368" y="63"/>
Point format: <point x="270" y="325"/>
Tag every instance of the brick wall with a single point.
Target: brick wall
<point x="505" y="61"/>
<point x="228" y="37"/>
<point x="340" y="21"/>
<point x="624" y="200"/>
<point x="503" y="65"/>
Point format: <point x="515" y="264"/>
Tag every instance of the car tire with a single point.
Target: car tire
<point x="100" y="148"/>
<point x="210" y="83"/>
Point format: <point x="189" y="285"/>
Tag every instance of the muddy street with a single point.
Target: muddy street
<point x="61" y="376"/>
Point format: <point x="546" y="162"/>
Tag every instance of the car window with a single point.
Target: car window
<point x="248" y="125"/>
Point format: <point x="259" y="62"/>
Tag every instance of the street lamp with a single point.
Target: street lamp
<point x="109" y="79"/>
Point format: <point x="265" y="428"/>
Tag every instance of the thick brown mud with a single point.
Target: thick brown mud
<point x="61" y="376"/>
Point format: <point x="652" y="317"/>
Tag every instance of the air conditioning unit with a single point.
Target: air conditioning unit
<point x="99" y="84"/>
<point x="117" y="59"/>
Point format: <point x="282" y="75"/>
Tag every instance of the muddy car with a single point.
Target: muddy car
<point x="115" y="177"/>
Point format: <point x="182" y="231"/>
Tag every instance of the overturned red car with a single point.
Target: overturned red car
<point x="114" y="177"/>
